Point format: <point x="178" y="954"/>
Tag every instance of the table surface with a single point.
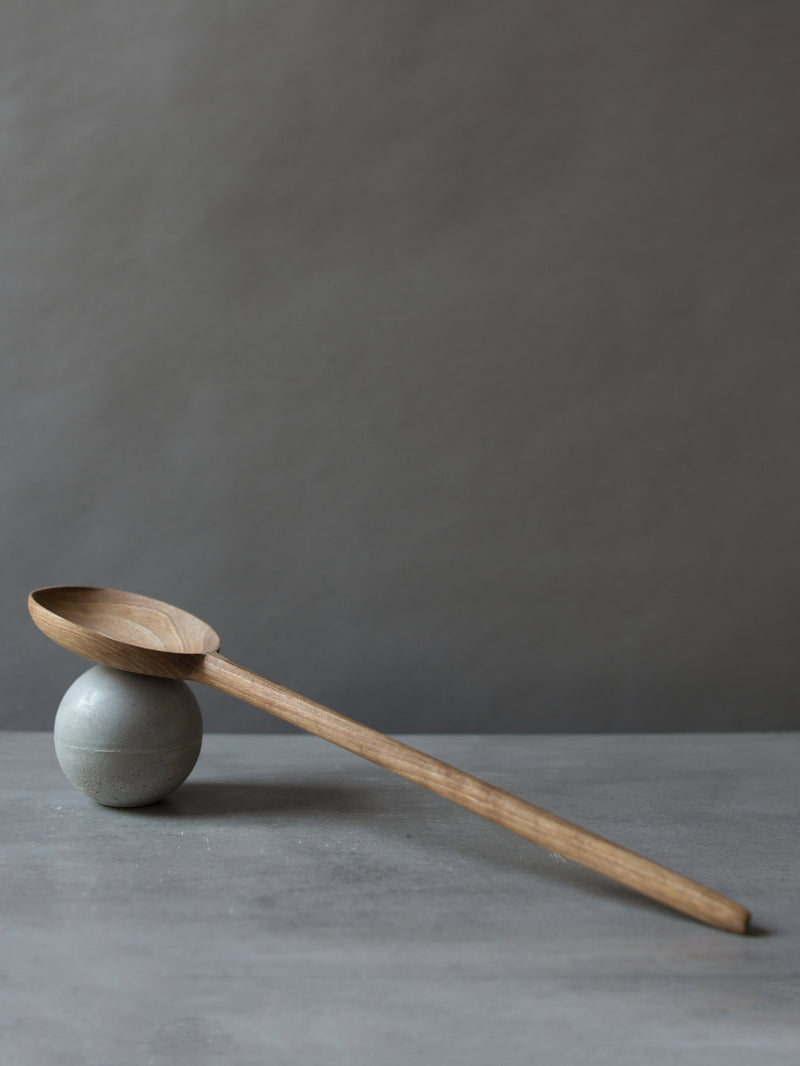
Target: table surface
<point x="293" y="903"/>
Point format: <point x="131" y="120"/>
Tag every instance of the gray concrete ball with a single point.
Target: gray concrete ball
<point x="125" y="739"/>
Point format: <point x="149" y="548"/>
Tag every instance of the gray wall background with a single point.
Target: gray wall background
<point x="442" y="356"/>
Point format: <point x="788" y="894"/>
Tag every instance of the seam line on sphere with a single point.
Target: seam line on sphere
<point x="131" y="751"/>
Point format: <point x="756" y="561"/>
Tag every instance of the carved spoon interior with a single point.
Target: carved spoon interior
<point x="145" y="636"/>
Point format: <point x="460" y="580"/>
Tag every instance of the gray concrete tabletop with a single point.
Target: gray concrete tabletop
<point x="291" y="903"/>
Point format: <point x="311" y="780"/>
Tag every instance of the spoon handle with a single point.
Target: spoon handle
<point x="525" y="819"/>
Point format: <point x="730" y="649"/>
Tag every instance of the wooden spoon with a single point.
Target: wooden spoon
<point x="145" y="636"/>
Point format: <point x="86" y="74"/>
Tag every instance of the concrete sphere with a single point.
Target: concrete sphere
<point x="126" y="739"/>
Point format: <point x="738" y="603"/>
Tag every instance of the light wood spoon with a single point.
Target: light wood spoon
<point x="145" y="636"/>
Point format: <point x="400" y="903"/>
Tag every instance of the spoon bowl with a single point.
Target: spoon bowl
<point x="145" y="636"/>
<point x="123" y="629"/>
